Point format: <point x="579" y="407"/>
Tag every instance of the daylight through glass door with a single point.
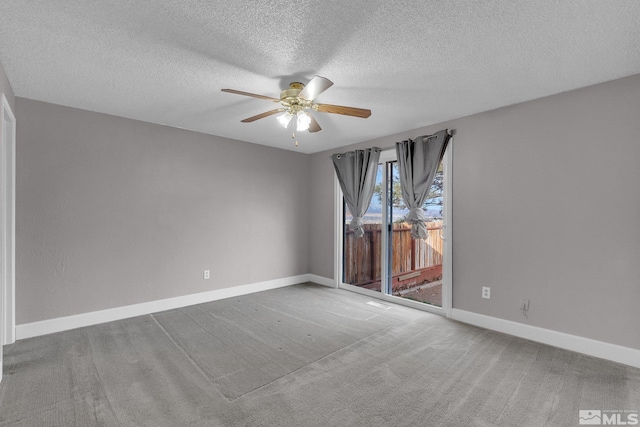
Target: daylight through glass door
<point x="362" y="264"/>
<point x="413" y="267"/>
<point x="416" y="264"/>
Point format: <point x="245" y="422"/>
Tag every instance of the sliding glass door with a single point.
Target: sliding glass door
<point x="416" y="264"/>
<point x="387" y="260"/>
<point x="362" y="260"/>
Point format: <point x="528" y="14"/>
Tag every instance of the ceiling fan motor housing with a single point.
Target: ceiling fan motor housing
<point x="289" y="98"/>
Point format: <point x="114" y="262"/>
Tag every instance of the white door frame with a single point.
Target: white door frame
<point x="447" y="259"/>
<point x="7" y="222"/>
<point x="447" y="270"/>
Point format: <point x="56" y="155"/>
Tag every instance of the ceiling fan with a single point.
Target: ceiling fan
<point x="297" y="101"/>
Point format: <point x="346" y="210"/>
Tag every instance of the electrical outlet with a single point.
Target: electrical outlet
<point x="206" y="274"/>
<point x="486" y="292"/>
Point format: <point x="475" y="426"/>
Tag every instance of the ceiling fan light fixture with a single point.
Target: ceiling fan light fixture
<point x="297" y="100"/>
<point x="303" y="121"/>
<point x="284" y="119"/>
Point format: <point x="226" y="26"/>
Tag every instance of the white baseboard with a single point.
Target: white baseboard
<point x="603" y="350"/>
<point x="320" y="280"/>
<point x="59" y="324"/>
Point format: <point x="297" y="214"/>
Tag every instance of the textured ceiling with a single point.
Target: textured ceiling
<point x="413" y="63"/>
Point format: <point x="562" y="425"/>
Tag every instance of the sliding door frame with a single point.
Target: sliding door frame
<point x="447" y="266"/>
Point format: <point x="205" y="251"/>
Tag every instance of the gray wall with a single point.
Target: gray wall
<point x="112" y="212"/>
<point x="5" y="88"/>
<point x="546" y="206"/>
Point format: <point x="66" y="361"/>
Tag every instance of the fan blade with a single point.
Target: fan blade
<point x="339" y="109"/>
<point x="313" y="126"/>
<point x="315" y="87"/>
<point x="263" y="115"/>
<point x="239" y="92"/>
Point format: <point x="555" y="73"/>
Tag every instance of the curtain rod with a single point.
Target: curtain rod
<point x="393" y="147"/>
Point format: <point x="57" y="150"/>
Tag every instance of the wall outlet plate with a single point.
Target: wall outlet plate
<point x="486" y="292"/>
<point x="206" y="275"/>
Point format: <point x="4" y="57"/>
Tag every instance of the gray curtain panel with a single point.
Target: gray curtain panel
<point x="418" y="162"/>
<point x="356" y="171"/>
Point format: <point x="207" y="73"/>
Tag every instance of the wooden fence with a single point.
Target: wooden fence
<point x="362" y="256"/>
